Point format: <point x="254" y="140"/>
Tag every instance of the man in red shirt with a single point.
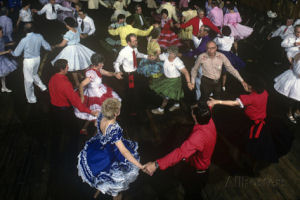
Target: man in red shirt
<point x="197" y="149"/>
<point x="63" y="97"/>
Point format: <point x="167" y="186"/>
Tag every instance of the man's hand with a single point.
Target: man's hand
<point x="150" y="167"/>
<point x="119" y="75"/>
<point x="95" y="113"/>
<point x="191" y="86"/>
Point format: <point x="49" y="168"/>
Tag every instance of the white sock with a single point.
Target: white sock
<point x="160" y="109"/>
<point x="176" y="105"/>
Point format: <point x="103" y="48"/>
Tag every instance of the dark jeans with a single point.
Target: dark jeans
<point x="209" y="86"/>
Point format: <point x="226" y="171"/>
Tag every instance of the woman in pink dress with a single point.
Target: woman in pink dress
<point x="238" y="31"/>
<point x="167" y="36"/>
<point x="92" y="91"/>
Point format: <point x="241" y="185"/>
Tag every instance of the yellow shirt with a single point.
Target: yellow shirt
<point x="123" y="31"/>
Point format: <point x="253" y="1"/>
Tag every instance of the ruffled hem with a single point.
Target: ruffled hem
<point x="114" y="181"/>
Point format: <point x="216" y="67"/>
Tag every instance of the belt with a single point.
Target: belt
<point x="212" y="80"/>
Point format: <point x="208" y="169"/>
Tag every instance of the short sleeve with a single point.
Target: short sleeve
<point x="179" y="64"/>
<point x="90" y="74"/>
<point x="245" y="99"/>
<point x="116" y="133"/>
<point x="68" y="36"/>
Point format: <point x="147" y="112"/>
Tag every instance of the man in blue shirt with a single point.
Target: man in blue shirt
<point x="31" y="45"/>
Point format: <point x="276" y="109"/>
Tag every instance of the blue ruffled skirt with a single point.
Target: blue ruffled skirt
<point x="7" y="66"/>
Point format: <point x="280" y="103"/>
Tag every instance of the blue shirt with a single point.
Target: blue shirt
<point x="72" y="38"/>
<point x="31" y="45"/>
<point x="7" y="26"/>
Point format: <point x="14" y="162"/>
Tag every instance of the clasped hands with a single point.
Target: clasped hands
<point x="149" y="168"/>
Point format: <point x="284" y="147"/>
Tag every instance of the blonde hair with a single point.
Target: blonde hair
<point x="110" y="107"/>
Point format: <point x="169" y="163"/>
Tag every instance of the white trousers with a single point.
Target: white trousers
<point x="30" y="69"/>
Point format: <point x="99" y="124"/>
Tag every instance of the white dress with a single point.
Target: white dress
<point x="288" y="83"/>
<point x="77" y="55"/>
<point x="95" y="94"/>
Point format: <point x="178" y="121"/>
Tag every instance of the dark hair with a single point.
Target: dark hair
<point x="60" y="64"/>
<point x="226" y="30"/>
<point x="130" y="20"/>
<point x="25" y="3"/>
<point x="202" y="113"/>
<point x="82" y="10"/>
<point x="137" y="6"/>
<point x="71" y="22"/>
<point x="230" y="6"/>
<point x="297" y="26"/>
<point x="120" y="16"/>
<point x="3" y="11"/>
<point x="97" y="58"/>
<point x="155" y="33"/>
<point x="128" y="37"/>
<point x="164" y="11"/>
<point x="29" y="27"/>
<point x="256" y="82"/>
<point x="214" y="2"/>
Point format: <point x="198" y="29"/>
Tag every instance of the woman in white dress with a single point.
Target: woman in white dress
<point x="77" y="55"/>
<point x="92" y="91"/>
<point x="288" y="84"/>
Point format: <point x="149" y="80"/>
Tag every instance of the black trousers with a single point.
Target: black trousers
<point x="132" y="97"/>
<point x="209" y="86"/>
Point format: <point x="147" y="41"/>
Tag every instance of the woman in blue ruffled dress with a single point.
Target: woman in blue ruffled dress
<point x="77" y="55"/>
<point x="6" y="65"/>
<point x="108" y="162"/>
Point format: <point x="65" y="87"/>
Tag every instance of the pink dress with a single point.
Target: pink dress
<point x="95" y="94"/>
<point x="238" y="31"/>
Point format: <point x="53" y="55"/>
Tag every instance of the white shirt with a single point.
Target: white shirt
<point x="171" y="69"/>
<point x="289" y="43"/>
<point x="282" y="32"/>
<point x="224" y="43"/>
<point x="89" y="26"/>
<point x="125" y="58"/>
<point x="297" y="22"/>
<point x="25" y="15"/>
<point x="48" y="10"/>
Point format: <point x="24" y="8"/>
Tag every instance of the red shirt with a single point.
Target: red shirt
<point x="255" y="105"/>
<point x="197" y="149"/>
<point x="62" y="93"/>
<point x="195" y="23"/>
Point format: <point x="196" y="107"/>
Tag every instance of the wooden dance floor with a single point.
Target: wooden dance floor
<point x="32" y="169"/>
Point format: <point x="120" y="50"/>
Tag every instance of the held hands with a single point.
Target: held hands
<point x="211" y="102"/>
<point x="149" y="168"/>
<point x="191" y="86"/>
<point x="119" y="75"/>
<point x="95" y="113"/>
<point x="177" y="25"/>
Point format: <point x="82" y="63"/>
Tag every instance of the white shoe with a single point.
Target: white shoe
<point x="158" y="111"/>
<point x="6" y="90"/>
<point x="223" y="88"/>
<point x="174" y="107"/>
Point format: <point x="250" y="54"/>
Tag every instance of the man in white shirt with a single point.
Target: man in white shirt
<point x="127" y="58"/>
<point x="51" y="24"/>
<point x="292" y="44"/>
<point x="86" y="24"/>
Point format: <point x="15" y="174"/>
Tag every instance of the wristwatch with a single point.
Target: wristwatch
<point x="156" y="164"/>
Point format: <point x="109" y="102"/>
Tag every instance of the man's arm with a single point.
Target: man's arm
<point x="63" y="8"/>
<point x="200" y="49"/>
<point x="187" y="149"/>
<point x="288" y="42"/>
<point x="139" y="32"/>
<point x="43" y="10"/>
<point x="93" y="29"/>
<point x="195" y="69"/>
<point x="118" y="62"/>
<point x="75" y="99"/>
<point x="114" y="31"/>
<point x="45" y="44"/>
<point x="231" y="69"/>
<point x="188" y="23"/>
<point x="19" y="49"/>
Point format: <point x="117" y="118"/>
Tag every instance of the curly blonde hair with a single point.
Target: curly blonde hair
<point x="110" y="107"/>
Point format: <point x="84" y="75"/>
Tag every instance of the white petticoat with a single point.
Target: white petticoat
<point x="288" y="83"/>
<point x="77" y="55"/>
